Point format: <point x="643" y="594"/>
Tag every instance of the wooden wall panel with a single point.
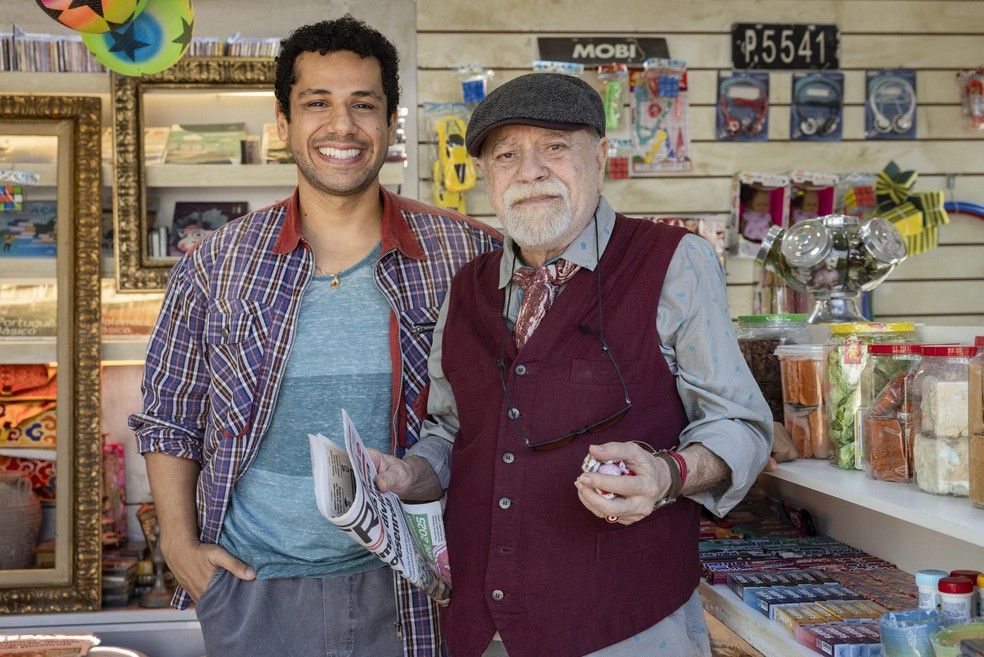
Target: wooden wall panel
<point x="709" y="16"/>
<point x="935" y="38"/>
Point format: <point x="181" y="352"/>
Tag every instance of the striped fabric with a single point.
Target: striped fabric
<point x="218" y="352"/>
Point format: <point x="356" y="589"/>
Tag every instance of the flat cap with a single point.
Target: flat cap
<point x="546" y="100"/>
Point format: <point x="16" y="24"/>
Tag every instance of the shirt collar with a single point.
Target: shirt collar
<point x="581" y="251"/>
<point x="396" y="234"/>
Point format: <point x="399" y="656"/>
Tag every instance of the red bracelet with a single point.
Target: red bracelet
<point x="682" y="464"/>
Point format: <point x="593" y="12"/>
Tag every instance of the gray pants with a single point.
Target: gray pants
<point x="681" y="634"/>
<point x="345" y="616"/>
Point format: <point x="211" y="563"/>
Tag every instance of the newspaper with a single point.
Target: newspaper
<point x="408" y="537"/>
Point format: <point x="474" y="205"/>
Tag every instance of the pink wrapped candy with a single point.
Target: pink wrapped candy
<point x="614" y="468"/>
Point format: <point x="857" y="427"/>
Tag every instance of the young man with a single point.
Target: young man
<point x="269" y="328"/>
<point x="588" y="333"/>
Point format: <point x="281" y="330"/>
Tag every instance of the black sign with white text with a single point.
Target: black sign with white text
<point x="782" y="46"/>
<point x="593" y="51"/>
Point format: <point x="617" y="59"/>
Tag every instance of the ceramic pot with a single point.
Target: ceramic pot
<point x="20" y="522"/>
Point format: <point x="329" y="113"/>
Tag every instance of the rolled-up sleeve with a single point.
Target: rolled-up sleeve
<point x="724" y="406"/>
<point x="175" y="381"/>
<point x="441" y="426"/>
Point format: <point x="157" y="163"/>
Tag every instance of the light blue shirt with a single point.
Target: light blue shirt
<point x="724" y="407"/>
<point x="339" y="359"/>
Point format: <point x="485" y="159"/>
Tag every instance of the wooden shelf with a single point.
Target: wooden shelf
<point x="48" y="82"/>
<point x="768" y="637"/>
<point x="16" y="270"/>
<point x="43" y="350"/>
<point x="47" y="172"/>
<point x="244" y="175"/>
<point x="955" y="517"/>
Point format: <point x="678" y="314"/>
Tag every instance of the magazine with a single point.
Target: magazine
<point x="273" y="150"/>
<point x="193" y="220"/>
<point x="408" y="537"/>
<point x="213" y="143"/>
<point x="30" y="231"/>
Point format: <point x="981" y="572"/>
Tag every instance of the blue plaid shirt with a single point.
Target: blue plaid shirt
<point x="218" y="352"/>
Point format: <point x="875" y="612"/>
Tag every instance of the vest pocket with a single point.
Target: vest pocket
<point x="646" y="534"/>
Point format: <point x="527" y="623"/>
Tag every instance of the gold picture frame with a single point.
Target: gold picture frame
<point x="73" y="584"/>
<point x="134" y="269"/>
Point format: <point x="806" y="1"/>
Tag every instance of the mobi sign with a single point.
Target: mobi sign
<point x="601" y="50"/>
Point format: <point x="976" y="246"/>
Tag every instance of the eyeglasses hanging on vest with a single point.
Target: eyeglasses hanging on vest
<point x="608" y="419"/>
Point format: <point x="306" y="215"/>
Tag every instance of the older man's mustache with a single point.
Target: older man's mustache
<point x="518" y="193"/>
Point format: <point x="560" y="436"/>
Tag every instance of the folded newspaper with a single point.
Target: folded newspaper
<point x="408" y="537"/>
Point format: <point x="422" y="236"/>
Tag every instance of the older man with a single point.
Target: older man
<point x="588" y="333"/>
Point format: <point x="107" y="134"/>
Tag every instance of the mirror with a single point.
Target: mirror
<point x="50" y="445"/>
<point x="178" y="170"/>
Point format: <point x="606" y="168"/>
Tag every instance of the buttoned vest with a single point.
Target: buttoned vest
<point x="527" y="558"/>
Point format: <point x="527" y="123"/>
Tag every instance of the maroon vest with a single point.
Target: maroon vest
<point x="527" y="558"/>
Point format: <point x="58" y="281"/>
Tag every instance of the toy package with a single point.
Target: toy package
<point x="758" y="202"/>
<point x="972" y="96"/>
<point x="817" y="106"/>
<point x="660" y="132"/>
<point x="743" y="106"/>
<point x="453" y="170"/>
<point x="811" y="195"/>
<point x="890" y="107"/>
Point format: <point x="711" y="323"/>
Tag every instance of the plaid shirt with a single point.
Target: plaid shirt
<point x="218" y="352"/>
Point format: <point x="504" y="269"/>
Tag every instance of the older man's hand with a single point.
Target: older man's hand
<point x="635" y="495"/>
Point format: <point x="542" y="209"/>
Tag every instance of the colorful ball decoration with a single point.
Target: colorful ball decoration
<point x="150" y="43"/>
<point x="92" y="16"/>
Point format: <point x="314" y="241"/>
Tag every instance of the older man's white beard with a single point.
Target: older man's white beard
<point x="537" y="226"/>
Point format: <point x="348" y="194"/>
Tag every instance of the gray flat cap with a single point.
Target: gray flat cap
<point x="547" y="100"/>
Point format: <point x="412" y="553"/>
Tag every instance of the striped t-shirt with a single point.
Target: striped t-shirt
<point x="339" y="359"/>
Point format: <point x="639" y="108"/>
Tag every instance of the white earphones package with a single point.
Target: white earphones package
<point x="890" y="104"/>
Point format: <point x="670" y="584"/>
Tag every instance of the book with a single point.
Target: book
<point x="193" y="220"/>
<point x="28" y="311"/>
<point x="408" y="537"/>
<point x="11" y="198"/>
<point x="155" y="145"/>
<point x="212" y="143"/>
<point x="128" y="314"/>
<point x="30" y="231"/>
<point x="273" y="150"/>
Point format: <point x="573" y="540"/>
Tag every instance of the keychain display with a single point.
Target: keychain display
<point x="614" y="79"/>
<point x="817" y="106"/>
<point x="660" y="130"/>
<point x="972" y="96"/>
<point x="743" y="106"/>
<point x="474" y="82"/>
<point x="890" y="110"/>
<point x="567" y="68"/>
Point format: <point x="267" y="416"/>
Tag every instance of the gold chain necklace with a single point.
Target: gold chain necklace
<point x="335" y="282"/>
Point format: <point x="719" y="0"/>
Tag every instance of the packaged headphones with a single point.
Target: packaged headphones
<point x="743" y="106"/>
<point x="817" y="107"/>
<point x="890" y="110"/>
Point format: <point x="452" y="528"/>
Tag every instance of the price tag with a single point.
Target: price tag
<point x="781" y="46"/>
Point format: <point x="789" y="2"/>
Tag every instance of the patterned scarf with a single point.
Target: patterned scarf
<point x="539" y="289"/>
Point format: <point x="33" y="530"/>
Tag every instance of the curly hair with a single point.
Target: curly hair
<point x="345" y="33"/>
